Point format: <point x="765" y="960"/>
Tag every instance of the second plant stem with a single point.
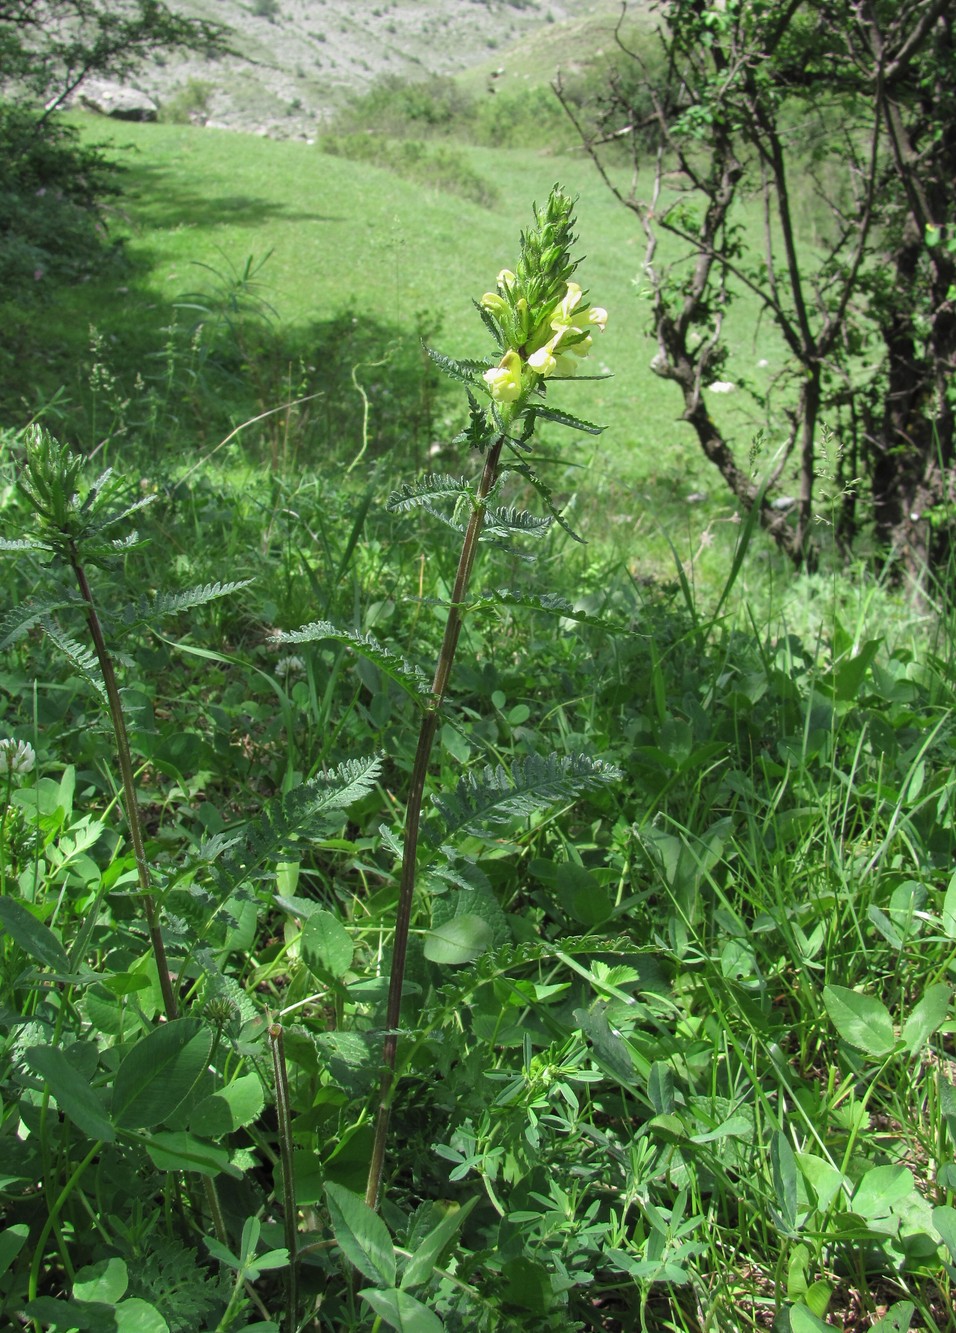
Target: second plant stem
<point x="129" y="789"/>
<point x="413" y="811"/>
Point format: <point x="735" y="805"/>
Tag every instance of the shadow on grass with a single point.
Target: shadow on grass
<point x="162" y="199"/>
<point x="110" y="359"/>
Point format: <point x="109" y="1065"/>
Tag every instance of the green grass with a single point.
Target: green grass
<point x="350" y="244"/>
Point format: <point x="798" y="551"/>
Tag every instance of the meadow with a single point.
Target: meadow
<point x="676" y="1044"/>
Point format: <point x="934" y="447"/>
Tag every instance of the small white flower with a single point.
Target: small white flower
<point x="289" y="666"/>
<point x="722" y="386"/>
<point x="16" y="757"/>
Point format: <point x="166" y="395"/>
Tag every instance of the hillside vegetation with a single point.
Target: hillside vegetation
<point x="297" y="62"/>
<point x="454" y="873"/>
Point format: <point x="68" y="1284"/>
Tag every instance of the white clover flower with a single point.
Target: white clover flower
<point x="289" y="666"/>
<point x="17" y="758"/>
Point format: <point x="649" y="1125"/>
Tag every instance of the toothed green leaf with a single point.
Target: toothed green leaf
<point x="493" y="796"/>
<point x="567" y="419"/>
<point x="467" y="372"/>
<point x="424" y="492"/>
<point x="21" y="619"/>
<point x="524" y="468"/>
<point x="81" y="658"/>
<point x="408" y="677"/>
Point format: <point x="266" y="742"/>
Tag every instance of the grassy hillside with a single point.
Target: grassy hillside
<point x="351" y="247"/>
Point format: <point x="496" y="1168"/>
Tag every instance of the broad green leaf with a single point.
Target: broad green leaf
<point x="362" y="1235"/>
<point x="610" y="1049"/>
<point x="459" y="939"/>
<point x="106" y="1281"/>
<point x="896" y="1320"/>
<point x="421" y="1265"/>
<point x="253" y="1264"/>
<point x="12" y="1241"/>
<point x="232" y="1107"/>
<point x="326" y="945"/>
<point x="72" y="1092"/>
<point x="138" y="1316"/>
<point x="944" y="1220"/>
<point x="949" y="910"/>
<point x="180" y="1151"/>
<point x="222" y="1253"/>
<point x="880" y="1189"/>
<point x="402" y="1312"/>
<point x="824" y="1179"/>
<point x="861" y="1020"/>
<point x="159" y="1072"/>
<point x="818" y="1297"/>
<point x="660" y="1087"/>
<point x="803" y="1320"/>
<point x="927" y="1017"/>
<point x="33" y="937"/>
<point x="783" y="1166"/>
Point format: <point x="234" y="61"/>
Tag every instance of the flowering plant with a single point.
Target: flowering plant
<point x="541" y="320"/>
<point x="543" y="325"/>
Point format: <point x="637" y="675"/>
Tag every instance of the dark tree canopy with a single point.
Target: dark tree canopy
<point x="48" y="47"/>
<point x="853" y="102"/>
<point x="51" y="185"/>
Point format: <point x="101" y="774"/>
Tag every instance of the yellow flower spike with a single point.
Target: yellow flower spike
<point x="504" y="380"/>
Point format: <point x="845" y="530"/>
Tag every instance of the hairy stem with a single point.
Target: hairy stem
<point x="129" y="787"/>
<point x="288" y="1179"/>
<point x="413" y="811"/>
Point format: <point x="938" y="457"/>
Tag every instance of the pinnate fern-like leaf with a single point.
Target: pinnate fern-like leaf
<point x="80" y="657"/>
<point x="405" y="674"/>
<point x="466" y="372"/>
<point x="295" y="815"/>
<point x="479" y="432"/>
<point x="504" y="521"/>
<point x="567" y="419"/>
<point x="168" y="604"/>
<point x="21" y="619"/>
<point x="548" y="604"/>
<point x="492" y="796"/>
<point x="434" y="486"/>
<point x="20" y="544"/>
<point x="522" y="466"/>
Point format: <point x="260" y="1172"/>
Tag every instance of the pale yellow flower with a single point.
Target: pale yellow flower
<point x="504" y="380"/>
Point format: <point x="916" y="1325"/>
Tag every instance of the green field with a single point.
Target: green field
<point x="350" y="245"/>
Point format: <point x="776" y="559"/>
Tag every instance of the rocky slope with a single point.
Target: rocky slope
<point x="297" y="61"/>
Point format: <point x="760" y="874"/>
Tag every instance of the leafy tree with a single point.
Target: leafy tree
<point x="51" y="225"/>
<point x="48" y="47"/>
<point x="850" y="103"/>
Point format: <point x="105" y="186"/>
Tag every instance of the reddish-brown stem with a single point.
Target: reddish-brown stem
<point x="129" y="789"/>
<point x="413" y="811"/>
